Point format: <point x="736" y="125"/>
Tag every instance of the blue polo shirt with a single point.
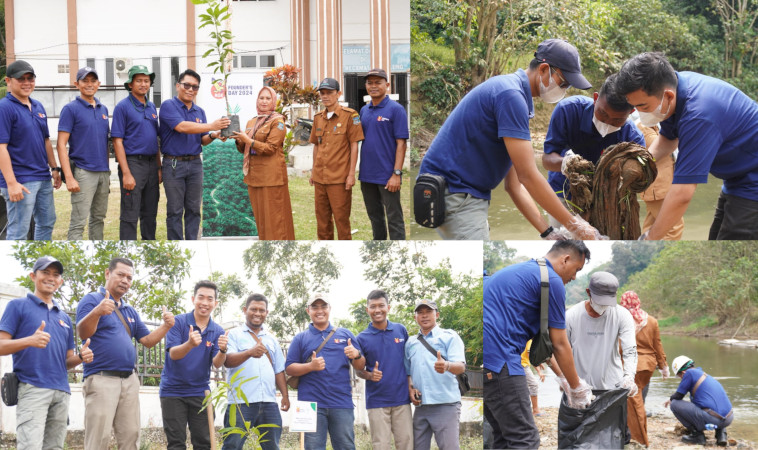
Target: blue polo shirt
<point x="382" y="124"/>
<point x="329" y="387"/>
<point x="25" y="133"/>
<point x="189" y="376"/>
<point x="512" y="313"/>
<point x="436" y="388"/>
<point x="717" y="128"/>
<point x="262" y="386"/>
<point x="469" y="150"/>
<point x="571" y="127"/>
<point x="137" y="124"/>
<point x="40" y="367"/>
<point x="113" y="349"/>
<point x="88" y="125"/>
<point x="710" y="394"/>
<point x="173" y="112"/>
<point x="388" y="347"/>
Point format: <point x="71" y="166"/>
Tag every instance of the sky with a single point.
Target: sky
<point x="226" y="257"/>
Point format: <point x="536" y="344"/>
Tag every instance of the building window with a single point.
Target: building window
<point x="248" y="61"/>
<point x="268" y="60"/>
<point x="62" y="68"/>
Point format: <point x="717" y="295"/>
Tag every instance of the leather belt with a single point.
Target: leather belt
<point x="141" y="157"/>
<point x="115" y="373"/>
<point x="181" y="158"/>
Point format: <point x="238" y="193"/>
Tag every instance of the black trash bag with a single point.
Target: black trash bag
<point x="601" y="425"/>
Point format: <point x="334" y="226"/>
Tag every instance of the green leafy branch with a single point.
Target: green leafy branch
<point x="221" y="46"/>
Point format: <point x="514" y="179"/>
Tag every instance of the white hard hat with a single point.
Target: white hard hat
<point x="680" y="362"/>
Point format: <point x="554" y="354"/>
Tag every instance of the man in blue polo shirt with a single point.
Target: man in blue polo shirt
<point x="193" y="344"/>
<point x="709" y="405"/>
<point x="325" y="376"/>
<point x="468" y="149"/>
<point x="111" y="385"/>
<point x="39" y="335"/>
<point x="511" y="316"/>
<point x="135" y="141"/>
<point x="389" y="409"/>
<point x="183" y="132"/>
<point x="583" y="126"/>
<point x="26" y="156"/>
<point x="715" y="127"/>
<point x="257" y="354"/>
<point x="432" y="382"/>
<point x="84" y="127"/>
<point x="385" y="127"/>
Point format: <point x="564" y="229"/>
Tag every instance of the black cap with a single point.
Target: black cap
<point x="377" y="73"/>
<point x="84" y="71"/>
<point x="559" y="53"/>
<point x="45" y="262"/>
<point x="18" y="68"/>
<point x="329" y="84"/>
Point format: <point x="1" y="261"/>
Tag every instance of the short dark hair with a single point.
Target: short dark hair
<point x="206" y="284"/>
<point x="189" y="72"/>
<point x="535" y="63"/>
<point x="376" y="294"/>
<point x="576" y="247"/>
<point x="256" y="298"/>
<point x="649" y="71"/>
<point x="609" y="91"/>
<point x="116" y="261"/>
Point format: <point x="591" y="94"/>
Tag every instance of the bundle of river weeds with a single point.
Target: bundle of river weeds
<point x="610" y="205"/>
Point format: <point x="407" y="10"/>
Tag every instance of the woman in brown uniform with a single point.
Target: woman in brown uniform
<point x="265" y="169"/>
<point x="650" y="355"/>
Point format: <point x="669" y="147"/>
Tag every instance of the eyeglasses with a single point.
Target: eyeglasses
<point x="564" y="84"/>
<point x="190" y="87"/>
<point x="27" y="79"/>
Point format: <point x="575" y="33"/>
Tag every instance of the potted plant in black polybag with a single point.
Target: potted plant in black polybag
<point x="216" y="13"/>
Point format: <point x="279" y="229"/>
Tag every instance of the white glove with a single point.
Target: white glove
<point x="566" y="158"/>
<point x="665" y="372"/>
<point x="556" y="235"/>
<point x="580" y="397"/>
<point x="643" y="236"/>
<point x="563" y="385"/>
<point x="581" y="229"/>
<point x="628" y="383"/>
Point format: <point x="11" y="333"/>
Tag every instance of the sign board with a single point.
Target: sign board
<point x="242" y="91"/>
<point x="304" y="417"/>
<point x="356" y="58"/>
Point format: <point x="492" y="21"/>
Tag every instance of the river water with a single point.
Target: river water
<point x="736" y="368"/>
<point x="506" y="222"/>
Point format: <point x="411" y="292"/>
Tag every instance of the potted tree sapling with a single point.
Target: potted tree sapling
<point x="215" y="15"/>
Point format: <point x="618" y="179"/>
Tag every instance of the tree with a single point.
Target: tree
<point x="231" y="290"/>
<point x="221" y="39"/>
<point x="630" y="257"/>
<point x="289" y="273"/>
<point x="159" y="269"/>
<point x="497" y="255"/>
<point x="738" y="19"/>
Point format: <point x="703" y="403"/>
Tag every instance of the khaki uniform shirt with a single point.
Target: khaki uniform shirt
<point x="658" y="189"/>
<point x="333" y="138"/>
<point x="267" y="165"/>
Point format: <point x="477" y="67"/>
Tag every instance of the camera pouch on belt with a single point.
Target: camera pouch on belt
<point x="429" y="200"/>
<point x="9" y="388"/>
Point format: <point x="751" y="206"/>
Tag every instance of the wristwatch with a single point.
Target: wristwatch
<point x="398" y="172"/>
<point x="56" y="169"/>
<point x="358" y="357"/>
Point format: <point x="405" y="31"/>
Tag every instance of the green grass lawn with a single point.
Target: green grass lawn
<point x="303" y="213"/>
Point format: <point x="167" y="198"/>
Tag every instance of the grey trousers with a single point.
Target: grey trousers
<point x="41" y="417"/>
<point x="465" y="218"/>
<point x="90" y="202"/>
<point x="439" y="420"/>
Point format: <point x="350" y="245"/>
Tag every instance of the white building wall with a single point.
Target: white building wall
<point x="41" y="38"/>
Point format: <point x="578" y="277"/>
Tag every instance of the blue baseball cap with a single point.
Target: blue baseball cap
<point x="562" y="55"/>
<point x="84" y="71"/>
<point x="46" y="261"/>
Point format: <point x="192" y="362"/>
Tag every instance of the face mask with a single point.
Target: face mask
<point x="651" y="119"/>
<point x="603" y="128"/>
<point x="600" y="309"/>
<point x="552" y="93"/>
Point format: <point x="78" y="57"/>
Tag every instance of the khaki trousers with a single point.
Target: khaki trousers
<point x="111" y="403"/>
<point x="333" y="200"/>
<point x="391" y="421"/>
<point x="636" y="418"/>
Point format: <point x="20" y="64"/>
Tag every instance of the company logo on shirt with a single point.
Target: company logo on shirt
<point x="208" y="343"/>
<point x="382" y="119"/>
<point x="399" y="340"/>
<point x="63" y="324"/>
<point x="105" y="117"/>
<point x="154" y="116"/>
<point x="41" y="115"/>
<point x="131" y="319"/>
<point x="340" y="341"/>
<point x="197" y="119"/>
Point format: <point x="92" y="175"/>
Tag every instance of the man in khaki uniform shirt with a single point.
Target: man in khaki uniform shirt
<point x="335" y="135"/>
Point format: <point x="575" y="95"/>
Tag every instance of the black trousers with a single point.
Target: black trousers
<point x="508" y="410"/>
<point x="178" y="413"/>
<point x="736" y="218"/>
<point x="378" y="200"/>
<point x="141" y="203"/>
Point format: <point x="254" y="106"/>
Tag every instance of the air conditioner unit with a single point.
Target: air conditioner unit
<point x="122" y="65"/>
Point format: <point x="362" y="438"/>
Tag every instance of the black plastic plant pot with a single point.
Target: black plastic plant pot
<point x="234" y="126"/>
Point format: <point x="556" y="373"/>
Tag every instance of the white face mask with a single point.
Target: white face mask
<point x="603" y="128"/>
<point x="600" y="309"/>
<point x="552" y="93"/>
<point x="651" y="119"/>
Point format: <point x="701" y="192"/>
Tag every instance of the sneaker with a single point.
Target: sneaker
<point x="721" y="438"/>
<point x="695" y="437"/>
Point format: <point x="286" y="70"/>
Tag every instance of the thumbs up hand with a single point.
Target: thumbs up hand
<point x="86" y="353"/>
<point x="350" y="351"/>
<point x="223" y="341"/>
<point x="194" y="337"/>
<point x="317" y="363"/>
<point x="376" y="374"/>
<point x="106" y="306"/>
<point x="40" y="338"/>
<point x="168" y="317"/>
<point x="440" y="366"/>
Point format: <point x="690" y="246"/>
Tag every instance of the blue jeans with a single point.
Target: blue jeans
<point x="339" y="423"/>
<point x="183" y="183"/>
<point x="39" y="202"/>
<point x="261" y="413"/>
